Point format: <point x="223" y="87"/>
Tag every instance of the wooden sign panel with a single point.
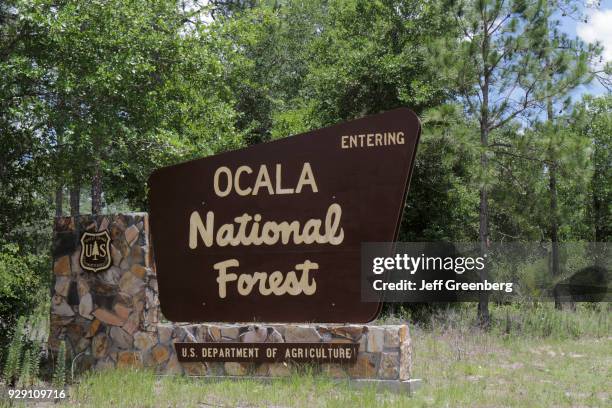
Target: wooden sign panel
<point x="273" y="232"/>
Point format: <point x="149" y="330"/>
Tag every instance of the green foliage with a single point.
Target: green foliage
<point x="292" y="122"/>
<point x="25" y="377"/>
<point x="592" y="119"/>
<point x="33" y="364"/>
<point x="59" y="370"/>
<point x="266" y="50"/>
<point x="22" y="148"/>
<point x="509" y="59"/>
<point x="135" y="88"/>
<point x="23" y="359"/>
<point x="12" y="366"/>
<point x="577" y="145"/>
<point x="296" y="66"/>
<point x="21" y="285"/>
<point x="132" y="85"/>
<point x="518" y="320"/>
<point x="368" y="57"/>
<point x="443" y="193"/>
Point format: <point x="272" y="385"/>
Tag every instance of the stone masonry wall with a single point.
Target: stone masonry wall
<point x="111" y="318"/>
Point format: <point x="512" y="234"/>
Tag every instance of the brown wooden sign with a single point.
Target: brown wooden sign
<point x="267" y="352"/>
<point x="273" y="232"/>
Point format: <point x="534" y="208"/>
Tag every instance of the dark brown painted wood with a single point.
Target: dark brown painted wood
<point x="369" y="184"/>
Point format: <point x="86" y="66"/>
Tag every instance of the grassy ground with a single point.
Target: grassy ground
<point x="563" y="360"/>
<point x="467" y="369"/>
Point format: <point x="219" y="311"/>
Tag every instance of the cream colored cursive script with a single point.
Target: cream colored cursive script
<point x="249" y="230"/>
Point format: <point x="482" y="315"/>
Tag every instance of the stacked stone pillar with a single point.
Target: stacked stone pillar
<point x="102" y="313"/>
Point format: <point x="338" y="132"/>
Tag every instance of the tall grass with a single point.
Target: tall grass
<point x="536" y="320"/>
<point x="532" y="355"/>
<point x="25" y="350"/>
<point x="119" y="387"/>
<point x="142" y="388"/>
<point x="59" y="372"/>
<point x="13" y="364"/>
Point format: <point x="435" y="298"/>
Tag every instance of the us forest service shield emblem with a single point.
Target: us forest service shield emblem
<point x="95" y="251"/>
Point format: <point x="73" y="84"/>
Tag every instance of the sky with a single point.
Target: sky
<point x="597" y="28"/>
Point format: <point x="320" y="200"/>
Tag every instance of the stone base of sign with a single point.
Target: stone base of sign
<point x="400" y="387"/>
<point x="112" y="318"/>
<point x="384" y="351"/>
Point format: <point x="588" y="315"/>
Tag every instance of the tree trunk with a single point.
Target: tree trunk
<point x="96" y="190"/>
<point x="554" y="213"/>
<point x="59" y="201"/>
<point x="483" y="227"/>
<point x="603" y="229"/>
<point x="75" y="199"/>
<point x="392" y="309"/>
<point x="554" y="223"/>
<point x="483" y="236"/>
<point x="554" y="232"/>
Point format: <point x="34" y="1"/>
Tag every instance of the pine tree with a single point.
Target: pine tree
<point x="497" y="67"/>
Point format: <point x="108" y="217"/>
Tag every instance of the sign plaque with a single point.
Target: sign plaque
<point x="95" y="251"/>
<point x="267" y="352"/>
<point x="273" y="232"/>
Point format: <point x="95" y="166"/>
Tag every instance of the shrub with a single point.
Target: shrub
<point x="21" y="285"/>
<point x="22" y="366"/>
<point x="12" y="367"/>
